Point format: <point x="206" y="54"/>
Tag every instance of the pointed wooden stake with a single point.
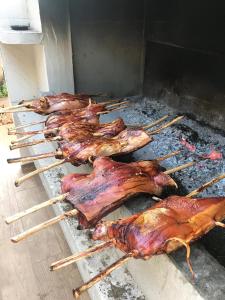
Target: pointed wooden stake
<point x="108" y="111"/>
<point x="25" y="125"/>
<point x="35" y="208"/>
<point x="38" y="171"/>
<point x="166" y="125"/>
<point x="39" y="227"/>
<point x="168" y="155"/>
<point x="9" y="108"/>
<point x="22" y="139"/>
<point x="16" y="111"/>
<point x="179" y="168"/>
<point x="41" y="131"/>
<point x="73" y="258"/>
<point x="31" y="158"/>
<point x="206" y="185"/>
<point x="116" y="104"/>
<point x="35" y="142"/>
<point x="155" y="122"/>
<point x="110" y="101"/>
<point x="77" y="292"/>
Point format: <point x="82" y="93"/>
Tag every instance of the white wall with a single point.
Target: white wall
<point x="25" y="71"/>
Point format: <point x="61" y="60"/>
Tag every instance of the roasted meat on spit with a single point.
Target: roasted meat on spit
<point x="78" y="153"/>
<point x="77" y="132"/>
<point x="168" y="225"/>
<point x="48" y="104"/>
<point x="127" y="141"/>
<point x="89" y="114"/>
<point x="109" y="185"/>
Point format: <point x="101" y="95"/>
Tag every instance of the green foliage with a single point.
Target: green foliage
<point x="3" y="90"/>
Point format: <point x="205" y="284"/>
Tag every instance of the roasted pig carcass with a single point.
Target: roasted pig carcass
<point x="77" y="132"/>
<point x="168" y="225"/>
<point x="64" y="101"/>
<point x="48" y="104"/>
<point x="54" y="121"/>
<point x="78" y="153"/>
<point x="89" y="114"/>
<point x="83" y="152"/>
<point x="127" y="141"/>
<point x="111" y="184"/>
<point x="80" y="131"/>
<point x="165" y="227"/>
<point x="108" y="186"/>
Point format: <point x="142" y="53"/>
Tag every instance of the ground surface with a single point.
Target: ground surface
<point x="25" y="266"/>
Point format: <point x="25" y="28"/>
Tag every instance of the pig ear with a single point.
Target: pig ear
<point x="73" y="258"/>
<point x="188" y="253"/>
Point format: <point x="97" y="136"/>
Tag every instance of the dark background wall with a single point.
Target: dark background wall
<point x="174" y="50"/>
<point x="185" y="56"/>
<point x="108" y="45"/>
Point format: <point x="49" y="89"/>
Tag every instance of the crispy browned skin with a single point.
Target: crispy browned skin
<point x="64" y="101"/>
<point x="56" y="120"/>
<point x="147" y="233"/>
<point x="78" y="132"/>
<point x="110" y="184"/>
<point x="82" y="115"/>
<point x="125" y="142"/>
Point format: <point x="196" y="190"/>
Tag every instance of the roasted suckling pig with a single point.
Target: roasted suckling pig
<point x="109" y="185"/>
<point x="163" y="228"/>
<point x="168" y="225"/>
<point x="126" y="141"/>
<point x="48" y="104"/>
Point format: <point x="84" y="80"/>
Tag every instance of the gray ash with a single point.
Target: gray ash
<point x="143" y="111"/>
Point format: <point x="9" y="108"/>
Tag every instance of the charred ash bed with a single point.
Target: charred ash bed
<point x="196" y="139"/>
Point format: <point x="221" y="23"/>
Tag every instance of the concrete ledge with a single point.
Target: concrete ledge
<point x="20" y="37"/>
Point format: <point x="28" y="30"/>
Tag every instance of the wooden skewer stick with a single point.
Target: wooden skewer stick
<point x="16" y="111"/>
<point x="116" y="104"/>
<point x="31" y="132"/>
<point x="168" y="155"/>
<point x="77" y="292"/>
<point x="34" y="142"/>
<point x="22" y="139"/>
<point x="31" y="158"/>
<point x="73" y="258"/>
<point x="43" y="225"/>
<point x="38" y="171"/>
<point x="179" y="168"/>
<point x="25" y="125"/>
<point x="35" y="208"/>
<point x="44" y="131"/>
<point x="9" y="108"/>
<point x="166" y="125"/>
<point x="110" y="101"/>
<point x="206" y="185"/>
<point x="155" y="122"/>
<point x="108" y="111"/>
